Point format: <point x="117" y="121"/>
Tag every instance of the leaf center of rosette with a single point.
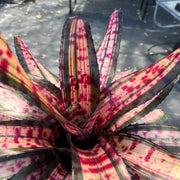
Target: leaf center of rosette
<point x="76" y="114"/>
<point x="86" y="143"/>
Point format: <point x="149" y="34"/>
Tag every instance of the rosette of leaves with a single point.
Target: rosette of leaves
<point x="89" y="123"/>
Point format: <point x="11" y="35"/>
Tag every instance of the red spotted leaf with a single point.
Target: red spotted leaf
<point x="26" y="150"/>
<point x="143" y="155"/>
<point x="108" y="52"/>
<point x="75" y="114"/>
<point x="79" y="75"/>
<point x="12" y="164"/>
<point x="12" y="74"/>
<point x="31" y="64"/>
<point x="50" y="96"/>
<point x="143" y="112"/>
<point x="122" y="74"/>
<point x="134" y="91"/>
<point x="17" y="106"/>
<point x="60" y="173"/>
<point x="157" y="115"/>
<point x="23" y="135"/>
<point x="99" y="162"/>
<point x="39" y="169"/>
<point x="165" y="136"/>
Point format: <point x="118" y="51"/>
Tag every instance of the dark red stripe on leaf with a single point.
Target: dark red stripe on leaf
<point x="150" y="153"/>
<point x="123" y="96"/>
<point x="4" y="65"/>
<point x="78" y="67"/>
<point x="108" y="51"/>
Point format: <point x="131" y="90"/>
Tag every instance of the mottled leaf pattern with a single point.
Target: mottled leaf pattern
<point x="157" y="115"/>
<point x="26" y="134"/>
<point x="79" y="75"/>
<point x="95" y="125"/>
<point x="14" y="105"/>
<point x="166" y="136"/>
<point x="60" y="173"/>
<point x="54" y="100"/>
<point x="134" y="90"/>
<point x="12" y="74"/>
<point x="30" y="64"/>
<point x="108" y="51"/>
<point x="14" y="164"/>
<point x="75" y="114"/>
<point x="122" y="74"/>
<point x="99" y="162"/>
<point x="141" y="112"/>
<point x="146" y="156"/>
<point x="39" y="169"/>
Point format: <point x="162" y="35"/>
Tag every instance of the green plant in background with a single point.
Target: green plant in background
<point x="89" y="123"/>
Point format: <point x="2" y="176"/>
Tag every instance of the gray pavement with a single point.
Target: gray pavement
<point x="40" y="25"/>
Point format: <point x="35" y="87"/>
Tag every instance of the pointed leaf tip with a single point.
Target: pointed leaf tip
<point x="108" y="51"/>
<point x="79" y="73"/>
<point x="31" y="64"/>
<point x="137" y="90"/>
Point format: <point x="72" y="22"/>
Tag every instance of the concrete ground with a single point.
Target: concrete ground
<point x="40" y="25"/>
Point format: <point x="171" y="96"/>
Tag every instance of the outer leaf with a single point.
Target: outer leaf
<point x="108" y="51"/>
<point x="40" y="169"/>
<point x="137" y="89"/>
<point x="14" y="105"/>
<point x="122" y="74"/>
<point x="12" y="164"/>
<point x="79" y="73"/>
<point x="31" y="64"/>
<point x="142" y="111"/>
<point x="54" y="100"/>
<point x="145" y="156"/>
<point x="60" y="173"/>
<point x="75" y="114"/>
<point x="166" y="136"/>
<point x="19" y="135"/>
<point x="156" y="115"/>
<point x="22" y="154"/>
<point x="99" y="162"/>
<point x="12" y="74"/>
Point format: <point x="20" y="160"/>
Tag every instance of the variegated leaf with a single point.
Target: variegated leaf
<point x="166" y="136"/>
<point x="23" y="151"/>
<point x="122" y="74"/>
<point x="60" y="173"/>
<point x="79" y="75"/>
<point x="108" y="51"/>
<point x="49" y="95"/>
<point x="75" y="114"/>
<point x="39" y="169"/>
<point x="142" y="111"/>
<point x="12" y="164"/>
<point x="17" y="106"/>
<point x="145" y="156"/>
<point x="138" y="90"/>
<point x="31" y="64"/>
<point x="12" y="74"/>
<point x="22" y="135"/>
<point x="156" y="115"/>
<point x="99" y="162"/>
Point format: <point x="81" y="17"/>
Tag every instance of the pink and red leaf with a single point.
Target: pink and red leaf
<point x="137" y="89"/>
<point x="145" y="156"/>
<point x="99" y="162"/>
<point x="165" y="136"/>
<point x="30" y="64"/>
<point x="79" y="75"/>
<point x="12" y="74"/>
<point x="108" y="52"/>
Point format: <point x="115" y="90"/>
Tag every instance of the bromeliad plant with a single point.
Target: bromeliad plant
<point x="90" y="123"/>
